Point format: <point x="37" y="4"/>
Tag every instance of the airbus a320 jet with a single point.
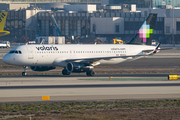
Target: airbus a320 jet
<point x="83" y="58"/>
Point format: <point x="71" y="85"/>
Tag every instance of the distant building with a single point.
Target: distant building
<point x="164" y="3"/>
<point x="139" y="3"/>
<point x="110" y="22"/>
<point x="145" y="3"/>
<point x="13" y="6"/>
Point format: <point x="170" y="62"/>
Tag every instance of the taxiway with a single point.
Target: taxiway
<point x="31" y="89"/>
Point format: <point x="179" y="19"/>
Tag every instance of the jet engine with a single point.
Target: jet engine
<point x="42" y="68"/>
<point x="78" y="67"/>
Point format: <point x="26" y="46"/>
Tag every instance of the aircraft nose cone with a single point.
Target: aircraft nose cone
<point x="6" y="58"/>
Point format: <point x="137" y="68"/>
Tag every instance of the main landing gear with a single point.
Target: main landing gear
<point x="65" y="72"/>
<point x="90" y="73"/>
<point x="24" y="73"/>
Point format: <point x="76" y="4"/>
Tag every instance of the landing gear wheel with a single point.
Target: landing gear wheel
<point x="90" y="73"/>
<point x="87" y="73"/>
<point x="65" y="72"/>
<point x="24" y="74"/>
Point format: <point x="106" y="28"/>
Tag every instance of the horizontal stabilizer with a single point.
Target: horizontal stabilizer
<point x="149" y="52"/>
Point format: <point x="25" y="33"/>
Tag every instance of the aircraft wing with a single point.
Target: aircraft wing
<point x="92" y="60"/>
<point x="96" y="59"/>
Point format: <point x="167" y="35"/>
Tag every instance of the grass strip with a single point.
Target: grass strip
<point x="82" y="106"/>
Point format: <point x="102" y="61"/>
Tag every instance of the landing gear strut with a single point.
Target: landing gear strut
<point x="24" y="73"/>
<point x="65" y="72"/>
<point x="90" y="73"/>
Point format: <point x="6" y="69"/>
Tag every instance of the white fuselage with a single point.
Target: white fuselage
<point x="56" y="55"/>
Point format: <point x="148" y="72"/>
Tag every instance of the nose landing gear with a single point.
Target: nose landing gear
<point x="24" y="73"/>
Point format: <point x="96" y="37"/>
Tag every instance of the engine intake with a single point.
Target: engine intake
<point x="42" y="68"/>
<point x="77" y="67"/>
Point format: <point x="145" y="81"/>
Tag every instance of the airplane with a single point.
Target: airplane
<point x="83" y="57"/>
<point x="3" y="16"/>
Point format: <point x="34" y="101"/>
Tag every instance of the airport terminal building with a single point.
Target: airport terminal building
<point x="109" y="21"/>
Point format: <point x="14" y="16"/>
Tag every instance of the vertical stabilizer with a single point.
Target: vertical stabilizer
<point x="145" y="33"/>
<point x="3" y="16"/>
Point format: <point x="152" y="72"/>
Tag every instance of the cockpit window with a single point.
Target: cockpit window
<point x="20" y="52"/>
<point x="11" y="51"/>
<point x="15" y="51"/>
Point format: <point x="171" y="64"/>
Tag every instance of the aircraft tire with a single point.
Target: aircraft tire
<point x="65" y="72"/>
<point x="87" y="73"/>
<point x="24" y="74"/>
<point x="90" y="73"/>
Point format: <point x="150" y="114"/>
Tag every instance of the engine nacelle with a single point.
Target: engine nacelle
<point x="78" y="67"/>
<point x="42" y="68"/>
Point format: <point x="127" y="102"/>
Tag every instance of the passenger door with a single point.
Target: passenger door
<point x="30" y="53"/>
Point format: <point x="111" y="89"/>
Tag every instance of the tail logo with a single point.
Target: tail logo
<point x="145" y="31"/>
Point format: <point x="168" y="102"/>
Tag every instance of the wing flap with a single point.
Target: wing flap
<point x="96" y="59"/>
<point x="99" y="58"/>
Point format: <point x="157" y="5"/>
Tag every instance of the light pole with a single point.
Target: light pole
<point x="87" y="18"/>
<point x="35" y="19"/>
<point x="173" y="25"/>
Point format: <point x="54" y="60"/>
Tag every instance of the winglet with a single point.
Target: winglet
<point x="156" y="49"/>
